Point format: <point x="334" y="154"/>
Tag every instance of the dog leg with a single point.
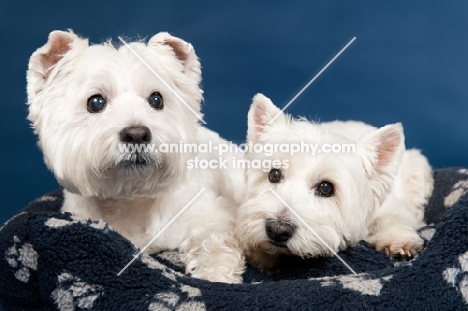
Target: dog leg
<point x="393" y="229"/>
<point x="414" y="182"/>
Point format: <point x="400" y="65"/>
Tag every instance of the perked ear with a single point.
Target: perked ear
<point x="183" y="52"/>
<point x="383" y="151"/>
<point x="46" y="58"/>
<point x="262" y="114"/>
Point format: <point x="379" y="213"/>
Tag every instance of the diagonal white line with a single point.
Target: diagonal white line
<point x="313" y="231"/>
<point x="161" y="79"/>
<point x="313" y="79"/>
<point x="160" y="232"/>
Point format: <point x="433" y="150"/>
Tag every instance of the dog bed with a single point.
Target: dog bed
<point x="54" y="261"/>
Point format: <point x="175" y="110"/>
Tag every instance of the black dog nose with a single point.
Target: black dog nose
<point x="135" y="135"/>
<point x="279" y="231"/>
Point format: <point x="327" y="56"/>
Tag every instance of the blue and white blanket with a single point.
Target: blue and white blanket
<point x="54" y="261"/>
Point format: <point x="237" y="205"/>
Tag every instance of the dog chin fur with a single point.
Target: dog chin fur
<point x="380" y="190"/>
<point x="137" y="198"/>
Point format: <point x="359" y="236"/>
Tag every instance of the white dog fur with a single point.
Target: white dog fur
<point x="137" y="194"/>
<point x="379" y="190"/>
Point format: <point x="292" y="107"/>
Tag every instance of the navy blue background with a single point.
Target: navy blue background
<point x="408" y="64"/>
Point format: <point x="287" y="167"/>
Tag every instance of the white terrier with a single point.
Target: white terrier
<point x="87" y="101"/>
<point x="376" y="193"/>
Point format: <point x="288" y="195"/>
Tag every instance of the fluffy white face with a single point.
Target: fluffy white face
<point x="332" y="193"/>
<point x="85" y="101"/>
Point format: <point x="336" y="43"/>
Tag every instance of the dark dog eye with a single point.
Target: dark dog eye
<point x="324" y="189"/>
<point x="274" y="176"/>
<point x="96" y="103"/>
<point x="156" y="101"/>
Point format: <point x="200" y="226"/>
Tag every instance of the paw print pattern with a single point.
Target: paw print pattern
<point x="23" y="258"/>
<point x="458" y="190"/>
<point x="180" y="297"/>
<point x="360" y="283"/>
<point x="60" y="223"/>
<point x="458" y="276"/>
<point x="72" y="292"/>
<point x="183" y="297"/>
<point x="46" y="198"/>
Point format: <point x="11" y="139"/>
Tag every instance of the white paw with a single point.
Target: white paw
<point x="401" y="241"/>
<point x="217" y="274"/>
<point x="214" y="262"/>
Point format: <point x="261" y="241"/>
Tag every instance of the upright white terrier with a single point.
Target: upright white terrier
<point x="376" y="193"/>
<point x="86" y="101"/>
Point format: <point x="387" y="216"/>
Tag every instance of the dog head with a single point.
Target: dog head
<point x="89" y="103"/>
<point x="314" y="204"/>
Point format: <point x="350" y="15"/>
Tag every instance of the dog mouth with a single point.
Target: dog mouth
<point x="278" y="244"/>
<point x="135" y="160"/>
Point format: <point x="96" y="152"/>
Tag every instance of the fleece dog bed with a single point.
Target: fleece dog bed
<point x="53" y="261"/>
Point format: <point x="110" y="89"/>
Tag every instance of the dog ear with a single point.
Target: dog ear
<point x="46" y="58"/>
<point x="384" y="149"/>
<point x="181" y="50"/>
<point x="262" y="114"/>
